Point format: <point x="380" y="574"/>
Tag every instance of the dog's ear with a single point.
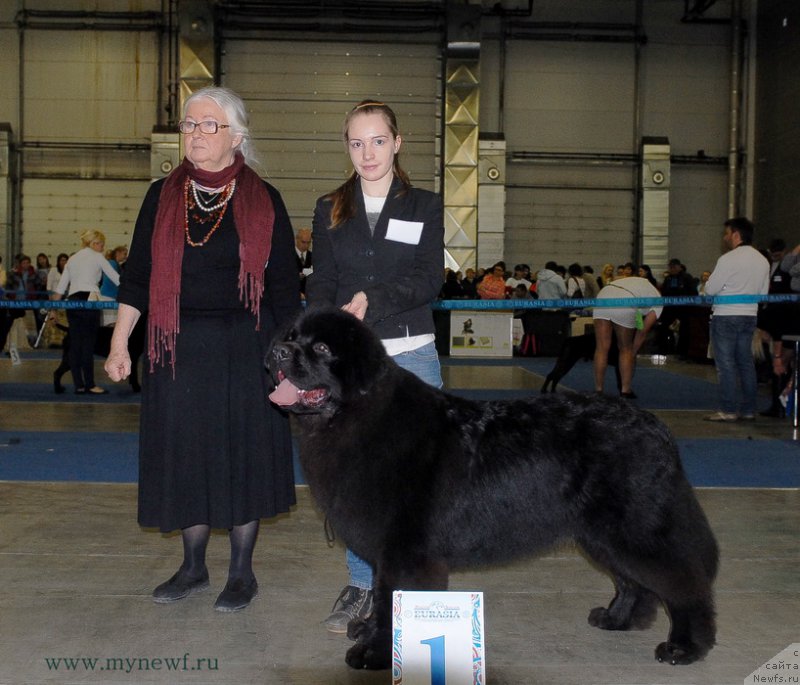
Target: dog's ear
<point x="365" y="358"/>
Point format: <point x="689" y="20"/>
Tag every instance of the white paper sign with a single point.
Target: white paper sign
<point x="408" y="232"/>
<point x="480" y="333"/>
<point x="437" y="638"/>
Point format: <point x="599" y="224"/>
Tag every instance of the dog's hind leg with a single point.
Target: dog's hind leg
<point x="632" y="607"/>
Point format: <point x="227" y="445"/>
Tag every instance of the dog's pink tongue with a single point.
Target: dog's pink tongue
<point x="285" y="394"/>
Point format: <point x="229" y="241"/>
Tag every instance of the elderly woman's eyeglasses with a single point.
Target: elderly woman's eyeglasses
<point x="206" y="126"/>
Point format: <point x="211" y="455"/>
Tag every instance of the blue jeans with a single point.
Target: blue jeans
<point x="424" y="364"/>
<point x="732" y="339"/>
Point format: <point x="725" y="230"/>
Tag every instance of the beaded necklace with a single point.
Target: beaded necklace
<point x="221" y="206"/>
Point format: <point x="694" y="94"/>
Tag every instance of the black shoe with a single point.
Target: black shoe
<point x="57" y="387"/>
<point x="774" y="412"/>
<point x="628" y="395"/>
<point x="238" y="593"/>
<point x="178" y="587"/>
<point x="352" y="603"/>
<point x="80" y="391"/>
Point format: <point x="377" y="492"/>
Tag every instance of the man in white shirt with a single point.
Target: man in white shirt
<point x="742" y="270"/>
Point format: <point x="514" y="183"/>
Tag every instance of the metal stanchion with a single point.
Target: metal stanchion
<point x="795" y="378"/>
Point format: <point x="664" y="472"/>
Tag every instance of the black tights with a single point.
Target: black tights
<point x="243" y="542"/>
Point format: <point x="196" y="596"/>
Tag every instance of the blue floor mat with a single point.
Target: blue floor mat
<point x="39" y="392"/>
<point x="112" y="458"/>
<point x="656" y="387"/>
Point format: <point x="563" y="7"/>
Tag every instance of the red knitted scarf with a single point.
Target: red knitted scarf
<point x="253" y="215"/>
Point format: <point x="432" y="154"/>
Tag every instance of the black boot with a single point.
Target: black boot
<point x="57" y="387"/>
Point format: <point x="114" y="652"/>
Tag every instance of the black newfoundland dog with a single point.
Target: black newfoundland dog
<point x="420" y="483"/>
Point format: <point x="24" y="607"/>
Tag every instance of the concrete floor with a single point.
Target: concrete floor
<point x="77" y="574"/>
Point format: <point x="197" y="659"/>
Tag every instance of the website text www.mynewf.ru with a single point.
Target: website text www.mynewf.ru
<point x="132" y="664"/>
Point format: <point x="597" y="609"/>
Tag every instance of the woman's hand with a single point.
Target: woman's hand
<point x="118" y="364"/>
<point x="357" y="306"/>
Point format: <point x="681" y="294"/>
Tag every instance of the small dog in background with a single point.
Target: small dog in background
<point x="572" y="351"/>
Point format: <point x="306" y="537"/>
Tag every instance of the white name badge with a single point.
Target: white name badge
<point x="437" y="638"/>
<point x="408" y="232"/>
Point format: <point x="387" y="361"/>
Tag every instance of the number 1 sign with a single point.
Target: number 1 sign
<point x="437" y="638"/>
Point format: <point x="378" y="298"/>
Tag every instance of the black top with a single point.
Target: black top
<point x="399" y="266"/>
<point x="209" y="279"/>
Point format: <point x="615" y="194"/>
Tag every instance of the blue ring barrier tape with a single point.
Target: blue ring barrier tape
<point x="58" y="304"/>
<point x="616" y="302"/>
<point x="586" y="303"/>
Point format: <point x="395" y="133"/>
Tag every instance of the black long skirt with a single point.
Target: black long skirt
<point x="212" y="448"/>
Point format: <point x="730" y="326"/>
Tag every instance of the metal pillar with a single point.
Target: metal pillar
<point x="6" y="196"/>
<point x="196" y="46"/>
<point x="654" y="220"/>
<point x="462" y="90"/>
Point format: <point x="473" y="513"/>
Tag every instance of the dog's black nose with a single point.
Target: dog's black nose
<point x="280" y="352"/>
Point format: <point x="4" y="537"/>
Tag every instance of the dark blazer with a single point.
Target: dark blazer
<point x="302" y="263"/>
<point x="399" y="278"/>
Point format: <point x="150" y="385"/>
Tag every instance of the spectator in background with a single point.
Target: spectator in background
<point x="42" y="267"/>
<point x="629" y="325"/>
<point x="606" y="275"/>
<point x="469" y="284"/>
<point x="703" y="280"/>
<point x="575" y="281"/>
<point x="451" y="288"/>
<point x="591" y="286"/>
<point x="742" y="270"/>
<point x="520" y="276"/>
<point x="54" y="275"/>
<point x="81" y="280"/>
<point x="493" y="284"/>
<point x="302" y="250"/>
<point x="646" y="272"/>
<point x="677" y="283"/>
<point x="549" y="284"/>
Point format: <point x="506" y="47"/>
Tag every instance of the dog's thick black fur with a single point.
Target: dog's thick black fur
<point x="420" y="483"/>
<point x="572" y="351"/>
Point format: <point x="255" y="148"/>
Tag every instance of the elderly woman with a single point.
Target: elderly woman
<point x="212" y="262"/>
<point x="80" y="278"/>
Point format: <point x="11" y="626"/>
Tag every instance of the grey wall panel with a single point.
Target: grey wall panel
<point x="89" y="86"/>
<point x="56" y="212"/>
<point x="697" y="212"/>
<point x="298" y="94"/>
<point x="569" y="97"/>
<point x="568" y="225"/>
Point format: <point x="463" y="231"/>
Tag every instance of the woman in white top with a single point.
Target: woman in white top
<point x="629" y="324"/>
<point x="81" y="277"/>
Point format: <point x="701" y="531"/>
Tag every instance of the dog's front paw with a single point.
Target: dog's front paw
<point x="675" y="654"/>
<point x="366" y="655"/>
<point x="601" y="617"/>
<point x="357" y="628"/>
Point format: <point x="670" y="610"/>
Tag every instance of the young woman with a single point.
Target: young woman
<point x="379" y="254"/>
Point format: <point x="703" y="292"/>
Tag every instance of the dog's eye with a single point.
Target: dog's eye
<point x="321" y="348"/>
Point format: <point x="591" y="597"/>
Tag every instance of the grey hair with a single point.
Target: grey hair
<point x="236" y="113"/>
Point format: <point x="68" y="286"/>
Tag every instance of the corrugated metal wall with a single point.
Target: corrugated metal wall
<point x="89" y="103"/>
<point x="298" y="93"/>
<point x="96" y="91"/>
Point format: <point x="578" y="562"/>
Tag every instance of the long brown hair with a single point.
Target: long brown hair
<point x="343" y="198"/>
